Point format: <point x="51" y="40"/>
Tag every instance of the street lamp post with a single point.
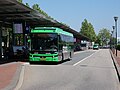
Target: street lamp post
<point x="116" y="18"/>
<point x="113" y="39"/>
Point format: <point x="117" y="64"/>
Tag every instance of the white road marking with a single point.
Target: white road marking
<point x="84" y="59"/>
<point x="82" y="51"/>
<point x="20" y="82"/>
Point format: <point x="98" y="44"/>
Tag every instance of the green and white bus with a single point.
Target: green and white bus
<point x="50" y="44"/>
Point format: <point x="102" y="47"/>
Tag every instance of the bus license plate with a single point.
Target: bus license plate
<point x="42" y="59"/>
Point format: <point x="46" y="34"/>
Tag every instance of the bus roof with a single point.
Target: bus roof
<point x="50" y="30"/>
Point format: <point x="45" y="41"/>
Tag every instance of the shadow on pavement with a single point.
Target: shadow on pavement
<point x="4" y="61"/>
<point x="48" y="63"/>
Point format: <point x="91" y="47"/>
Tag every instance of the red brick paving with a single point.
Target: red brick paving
<point x="117" y="57"/>
<point x="7" y="73"/>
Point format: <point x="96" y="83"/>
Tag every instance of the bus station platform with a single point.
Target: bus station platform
<point x="9" y="74"/>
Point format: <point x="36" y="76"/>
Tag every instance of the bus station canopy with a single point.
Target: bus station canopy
<point x="12" y="10"/>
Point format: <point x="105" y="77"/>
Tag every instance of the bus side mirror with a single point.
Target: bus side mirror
<point x="28" y="40"/>
<point x="29" y="44"/>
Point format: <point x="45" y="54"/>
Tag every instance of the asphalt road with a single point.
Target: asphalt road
<point x="78" y="56"/>
<point x="89" y="70"/>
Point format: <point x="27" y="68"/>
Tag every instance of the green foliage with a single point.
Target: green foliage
<point x="98" y="40"/>
<point x="104" y="36"/>
<point x="36" y="7"/>
<point x="20" y="1"/>
<point x="118" y="47"/>
<point x="113" y="40"/>
<point x="87" y="29"/>
<point x="27" y="5"/>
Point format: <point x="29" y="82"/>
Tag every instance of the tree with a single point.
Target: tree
<point x="98" y="40"/>
<point x="36" y="7"/>
<point x="20" y="1"/>
<point x="92" y="32"/>
<point x="104" y="36"/>
<point x="27" y="5"/>
<point x="87" y="29"/>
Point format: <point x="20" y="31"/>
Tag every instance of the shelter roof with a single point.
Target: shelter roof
<point x="12" y="10"/>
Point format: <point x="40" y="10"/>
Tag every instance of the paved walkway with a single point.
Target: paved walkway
<point x="117" y="62"/>
<point x="117" y="57"/>
<point x="8" y="75"/>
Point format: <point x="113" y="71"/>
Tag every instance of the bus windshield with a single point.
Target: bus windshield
<point x="44" y="41"/>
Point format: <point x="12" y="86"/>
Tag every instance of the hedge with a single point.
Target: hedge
<point x="118" y="47"/>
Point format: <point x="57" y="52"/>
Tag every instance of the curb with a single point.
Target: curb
<point x="20" y="81"/>
<point x="116" y="65"/>
<point x="14" y="80"/>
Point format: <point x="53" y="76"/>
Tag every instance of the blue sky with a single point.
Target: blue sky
<point x="72" y="12"/>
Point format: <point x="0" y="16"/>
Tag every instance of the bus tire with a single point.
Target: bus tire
<point x="62" y="56"/>
<point x="70" y="57"/>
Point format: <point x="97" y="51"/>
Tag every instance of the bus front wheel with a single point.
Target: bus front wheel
<point x="62" y="56"/>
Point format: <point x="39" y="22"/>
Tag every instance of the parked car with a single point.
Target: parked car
<point x="96" y="46"/>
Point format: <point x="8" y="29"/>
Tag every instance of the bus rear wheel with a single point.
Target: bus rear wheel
<point x="62" y="56"/>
